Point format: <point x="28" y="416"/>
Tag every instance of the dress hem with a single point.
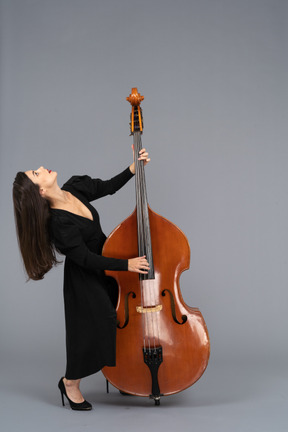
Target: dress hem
<point x="90" y="373"/>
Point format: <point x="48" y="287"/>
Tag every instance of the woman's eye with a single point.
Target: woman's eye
<point x="36" y="173"/>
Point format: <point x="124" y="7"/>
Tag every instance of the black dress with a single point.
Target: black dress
<point x="90" y="316"/>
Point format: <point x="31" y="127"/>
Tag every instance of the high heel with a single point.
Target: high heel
<point x="82" y="406"/>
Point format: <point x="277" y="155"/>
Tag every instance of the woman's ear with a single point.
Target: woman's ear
<point x="42" y="192"/>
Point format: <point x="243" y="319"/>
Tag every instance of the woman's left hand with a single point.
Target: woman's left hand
<point x="143" y="155"/>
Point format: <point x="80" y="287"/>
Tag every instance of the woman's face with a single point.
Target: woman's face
<point x="43" y="177"/>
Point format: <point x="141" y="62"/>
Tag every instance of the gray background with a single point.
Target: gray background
<point x="214" y="77"/>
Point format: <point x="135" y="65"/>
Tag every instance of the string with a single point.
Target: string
<point x="139" y="230"/>
<point x="150" y="322"/>
<point x="148" y="284"/>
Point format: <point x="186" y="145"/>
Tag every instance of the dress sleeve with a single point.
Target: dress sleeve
<point x="97" y="188"/>
<point x="68" y="240"/>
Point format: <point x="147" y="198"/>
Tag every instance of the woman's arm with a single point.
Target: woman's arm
<point x="68" y="240"/>
<point x="93" y="189"/>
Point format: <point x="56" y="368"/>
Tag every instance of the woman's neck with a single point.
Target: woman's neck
<point x="57" y="197"/>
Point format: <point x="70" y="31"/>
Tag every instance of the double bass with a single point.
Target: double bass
<point x="162" y="344"/>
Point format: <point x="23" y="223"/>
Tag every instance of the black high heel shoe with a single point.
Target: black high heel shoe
<point x="82" y="406"/>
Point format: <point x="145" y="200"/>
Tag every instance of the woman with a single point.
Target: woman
<point x="49" y="218"/>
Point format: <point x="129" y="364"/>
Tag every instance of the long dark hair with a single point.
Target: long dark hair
<point x="32" y="213"/>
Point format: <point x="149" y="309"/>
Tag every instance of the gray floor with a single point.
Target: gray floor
<point x="229" y="397"/>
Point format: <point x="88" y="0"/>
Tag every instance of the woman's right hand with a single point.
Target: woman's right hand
<point x="138" y="265"/>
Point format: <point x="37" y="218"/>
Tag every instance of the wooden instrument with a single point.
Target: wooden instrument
<point x="162" y="344"/>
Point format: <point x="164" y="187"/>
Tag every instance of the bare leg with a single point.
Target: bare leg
<point x="73" y="391"/>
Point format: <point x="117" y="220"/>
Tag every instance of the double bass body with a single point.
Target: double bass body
<point x="162" y="345"/>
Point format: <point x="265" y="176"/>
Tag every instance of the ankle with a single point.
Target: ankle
<point x="71" y="383"/>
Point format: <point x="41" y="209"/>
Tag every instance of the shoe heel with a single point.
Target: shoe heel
<point x="62" y="398"/>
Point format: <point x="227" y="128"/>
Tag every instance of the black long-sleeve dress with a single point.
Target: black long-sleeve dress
<point x="90" y="316"/>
